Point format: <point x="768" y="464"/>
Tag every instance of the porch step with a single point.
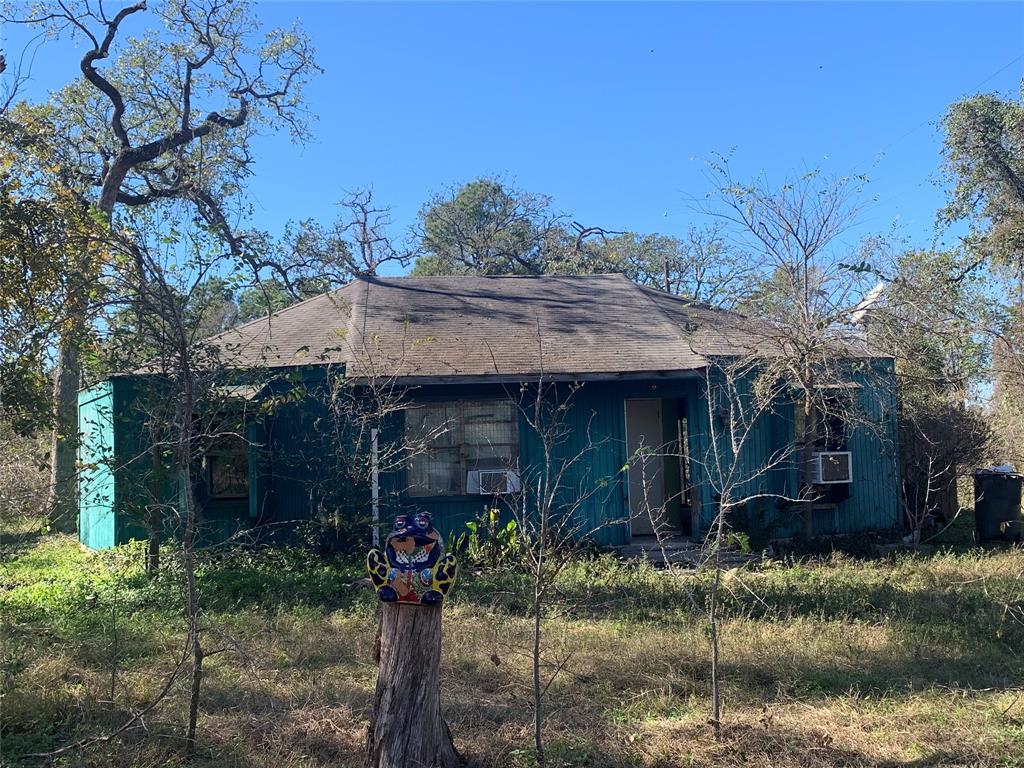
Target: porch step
<point x="677" y="551"/>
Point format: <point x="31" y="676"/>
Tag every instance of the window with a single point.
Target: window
<point x="448" y="439"/>
<point x="831" y="427"/>
<point x="228" y="469"/>
<point x="831" y="434"/>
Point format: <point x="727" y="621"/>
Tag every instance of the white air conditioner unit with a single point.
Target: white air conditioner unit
<point x="831" y="467"/>
<point x="492" y="482"/>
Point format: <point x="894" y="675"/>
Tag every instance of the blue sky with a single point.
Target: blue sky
<point x="610" y="108"/>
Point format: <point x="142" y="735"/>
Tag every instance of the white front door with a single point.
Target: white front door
<point x="646" y="484"/>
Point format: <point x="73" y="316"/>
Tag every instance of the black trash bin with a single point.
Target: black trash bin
<point x="997" y="505"/>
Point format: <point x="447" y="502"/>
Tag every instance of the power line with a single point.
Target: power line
<point x="929" y="120"/>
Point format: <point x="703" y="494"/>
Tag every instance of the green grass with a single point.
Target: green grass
<point x="911" y="660"/>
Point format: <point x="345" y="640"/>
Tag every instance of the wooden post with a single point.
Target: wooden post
<point x="407" y="729"/>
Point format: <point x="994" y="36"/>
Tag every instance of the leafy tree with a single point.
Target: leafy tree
<point x="211" y="308"/>
<point x="485" y="228"/>
<point x="984" y="162"/>
<point x="267" y="296"/>
<point x="929" y="319"/>
<point x="167" y="119"/>
<point x="42" y="293"/>
<point x="701" y="266"/>
<point x="1008" y="373"/>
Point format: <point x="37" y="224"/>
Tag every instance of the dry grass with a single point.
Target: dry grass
<point x="896" y="663"/>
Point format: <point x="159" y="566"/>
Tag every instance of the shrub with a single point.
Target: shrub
<point x="24" y="476"/>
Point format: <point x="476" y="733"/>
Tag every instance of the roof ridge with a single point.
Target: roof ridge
<point x="692" y="302"/>
<point x="476" y="325"/>
<point x="675" y="327"/>
<point x="378" y="278"/>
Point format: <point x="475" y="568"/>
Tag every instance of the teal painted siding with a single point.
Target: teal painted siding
<point x="592" y="443"/>
<point x="873" y="500"/>
<point x="133" y="479"/>
<point x="875" y="492"/>
<point x="304" y="466"/>
<point x="593" y="451"/>
<point x="760" y="473"/>
<point x="113" y="453"/>
<point x="450" y="513"/>
<point x="307" y="460"/>
<point x="615" y="395"/>
<point x="139" y="481"/>
<point x="97" y="521"/>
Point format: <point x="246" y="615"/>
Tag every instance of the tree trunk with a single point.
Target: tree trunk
<point x="716" y="695"/>
<point x="154" y="515"/>
<point x="407" y="729"/>
<point x="192" y="606"/>
<point x="153" y="546"/>
<point x="716" y="583"/>
<point x="806" y="460"/>
<point x="61" y="505"/>
<point x="949" y="499"/>
<point x="538" y="692"/>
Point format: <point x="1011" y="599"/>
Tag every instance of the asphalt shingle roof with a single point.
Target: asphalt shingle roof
<point x="508" y="328"/>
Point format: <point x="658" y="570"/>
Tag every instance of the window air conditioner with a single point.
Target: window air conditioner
<point x="492" y="482"/>
<point x="829" y="468"/>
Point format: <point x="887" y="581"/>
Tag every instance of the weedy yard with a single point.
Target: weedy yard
<point x="915" y="660"/>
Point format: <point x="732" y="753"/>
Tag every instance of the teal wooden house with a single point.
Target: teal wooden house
<point x="437" y="377"/>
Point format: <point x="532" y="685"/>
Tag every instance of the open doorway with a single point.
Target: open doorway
<point x="658" y="484"/>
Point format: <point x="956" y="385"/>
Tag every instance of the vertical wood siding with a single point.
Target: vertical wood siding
<point x="298" y="455"/>
<point x="873" y="503"/>
<point x="96" y="484"/>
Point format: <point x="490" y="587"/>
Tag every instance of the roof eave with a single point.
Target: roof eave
<point x="531" y="376"/>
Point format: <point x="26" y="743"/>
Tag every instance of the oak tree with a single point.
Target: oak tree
<point x="155" y="118"/>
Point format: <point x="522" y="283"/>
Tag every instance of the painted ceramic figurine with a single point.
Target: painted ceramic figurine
<point x="412" y="568"/>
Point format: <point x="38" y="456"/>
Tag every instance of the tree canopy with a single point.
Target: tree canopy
<point x="984" y="162"/>
<point x="42" y="292"/>
<point x="984" y="159"/>
<point x="486" y="228"/>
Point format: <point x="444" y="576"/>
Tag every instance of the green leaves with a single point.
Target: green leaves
<point x="485" y="227"/>
<point x="984" y="161"/>
<point x="860" y="267"/>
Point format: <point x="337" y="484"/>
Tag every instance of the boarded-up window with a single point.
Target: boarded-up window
<point x="448" y="439"/>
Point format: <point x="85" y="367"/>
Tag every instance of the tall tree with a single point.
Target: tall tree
<point x="39" y="288"/>
<point x="984" y="162"/>
<point x="486" y="228"/>
<point x="313" y="257"/>
<point x="929" y="318"/>
<point x="808" y="283"/>
<point x="267" y="296"/>
<point x="186" y="409"/>
<point x="702" y="265"/>
<point x="167" y="117"/>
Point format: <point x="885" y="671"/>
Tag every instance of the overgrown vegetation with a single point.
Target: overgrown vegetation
<point x="127" y="238"/>
<point x="906" y="660"/>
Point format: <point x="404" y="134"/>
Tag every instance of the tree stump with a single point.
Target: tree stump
<point x="407" y="729"/>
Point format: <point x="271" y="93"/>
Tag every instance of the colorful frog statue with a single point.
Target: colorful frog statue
<point x="412" y="567"/>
